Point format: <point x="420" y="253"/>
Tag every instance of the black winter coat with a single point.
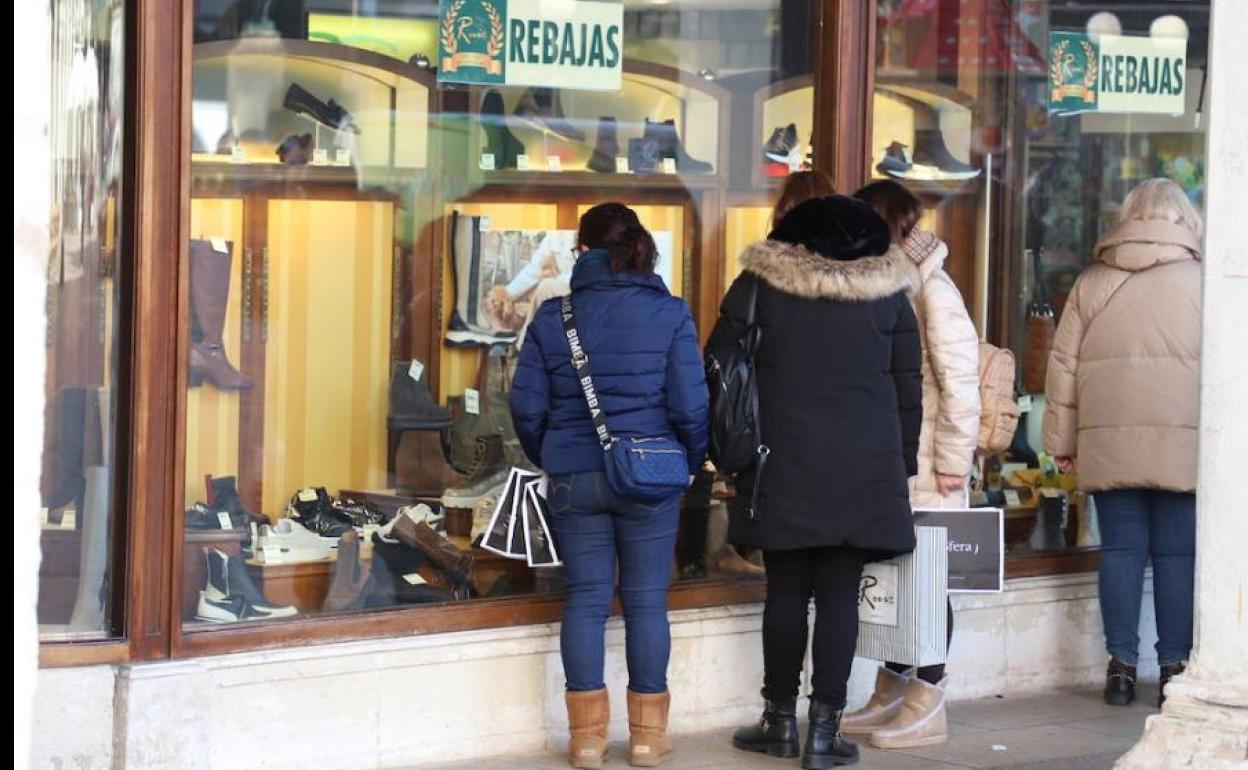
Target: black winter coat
<point x="840" y="392"/>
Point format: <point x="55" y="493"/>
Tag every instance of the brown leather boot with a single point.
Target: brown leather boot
<point x="351" y="579"/>
<point x="210" y="297"/>
<point x="921" y="721"/>
<point x="648" y="743"/>
<point x="884" y="706"/>
<point x="440" y="551"/>
<point x="588" y="714"/>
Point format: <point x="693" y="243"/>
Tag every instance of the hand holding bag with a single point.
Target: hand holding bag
<point x="646" y="469"/>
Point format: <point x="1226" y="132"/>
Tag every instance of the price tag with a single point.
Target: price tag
<point x="69" y="519"/>
<point x="219" y="246"/>
<point x="1024" y="404"/>
<point x="523" y="163"/>
<point x="472" y="401"/>
<point x="621" y="165"/>
<point x="43" y="517"/>
<point x="484" y="224"/>
<point x="307" y="495"/>
<point x="271" y="554"/>
<point x="1012" y="499"/>
<point x="795" y="162"/>
<point x="669" y="165"/>
<point x="238" y="154"/>
<point x="554" y="163"/>
<point x="320" y="157"/>
<point x="223" y="519"/>
<point x="415" y="579"/>
<point x="342" y="157"/>
<point x="487" y="161"/>
<point x="415" y="370"/>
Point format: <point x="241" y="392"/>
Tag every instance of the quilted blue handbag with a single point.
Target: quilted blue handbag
<point x="645" y="469"/>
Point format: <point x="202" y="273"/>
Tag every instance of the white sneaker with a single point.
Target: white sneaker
<point x="286" y="542"/>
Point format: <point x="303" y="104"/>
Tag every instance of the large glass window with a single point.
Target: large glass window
<point x="973" y="112"/>
<point x="76" y="576"/>
<point x="379" y="204"/>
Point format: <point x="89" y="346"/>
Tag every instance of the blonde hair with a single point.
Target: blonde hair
<point x="1162" y="199"/>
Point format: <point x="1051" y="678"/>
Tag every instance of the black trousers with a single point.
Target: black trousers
<point x="831" y="575"/>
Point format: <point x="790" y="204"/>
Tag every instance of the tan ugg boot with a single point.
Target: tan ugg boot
<point x="648" y="743"/>
<point x="921" y="721"/>
<point x="884" y="706"/>
<point x="588" y="715"/>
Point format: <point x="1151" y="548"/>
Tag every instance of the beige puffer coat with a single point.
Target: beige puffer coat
<point x="950" y="376"/>
<point x="1124" y="375"/>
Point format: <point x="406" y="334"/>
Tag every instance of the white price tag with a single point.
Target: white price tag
<point x="523" y="163"/>
<point x="43" y="517"/>
<point x="472" y="401"/>
<point x="554" y="163"/>
<point x="342" y="157"/>
<point x="223" y="519"/>
<point x="238" y="154"/>
<point x="415" y="579"/>
<point x="484" y="224"/>
<point x="219" y="245"/>
<point x="69" y="520"/>
<point x="1012" y="499"/>
<point x="669" y="165"/>
<point x="795" y="163"/>
<point x="487" y="161"/>
<point x="320" y="157"/>
<point x="621" y="165"/>
<point x="271" y="554"/>
<point x="307" y="495"/>
<point x="415" y="370"/>
<point x="1024" y="404"/>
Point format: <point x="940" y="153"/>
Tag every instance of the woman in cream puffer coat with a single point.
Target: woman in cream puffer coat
<point x="907" y="708"/>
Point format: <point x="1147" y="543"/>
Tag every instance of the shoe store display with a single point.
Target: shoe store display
<point x="223" y="493"/>
<point x="286" y="542"/>
<point x="491" y="421"/>
<point x="780" y="147"/>
<point x="313" y="508"/>
<point x="329" y="114"/>
<point x="499" y="141"/>
<point x="727" y="561"/>
<point x="895" y="162"/>
<point x="295" y="150"/>
<point x="357" y="514"/>
<point x="930" y="150"/>
<point x="670" y="146"/>
<point x="411" y="405"/>
<point x="543" y="109"/>
<point x="643" y="155"/>
<point x="229" y="594"/>
<point x="210" y="297"/>
<point x="201" y="517"/>
<point x="442" y="552"/>
<point x="403" y="575"/>
<point x="606" y="149"/>
<point x="351" y="581"/>
<point x="487" y="472"/>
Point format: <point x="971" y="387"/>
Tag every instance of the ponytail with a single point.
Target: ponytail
<point x="615" y="228"/>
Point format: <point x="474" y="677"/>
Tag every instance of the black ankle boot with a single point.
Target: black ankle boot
<point x="1119" y="683"/>
<point x="824" y="745"/>
<point x="1168" y="671"/>
<point x="776" y="732"/>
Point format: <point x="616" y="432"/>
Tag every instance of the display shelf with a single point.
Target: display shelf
<point x="775" y="106"/>
<point x="538" y="180"/>
<point x="208" y="173"/>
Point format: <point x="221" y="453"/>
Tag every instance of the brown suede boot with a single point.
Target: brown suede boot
<point x="648" y="743"/>
<point x="884" y="706"/>
<point x="921" y="721"/>
<point x="588" y="714"/>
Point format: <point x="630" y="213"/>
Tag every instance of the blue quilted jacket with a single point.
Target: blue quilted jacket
<point x="644" y="356"/>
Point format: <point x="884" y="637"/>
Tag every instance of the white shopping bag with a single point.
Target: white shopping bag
<point x="902" y="603"/>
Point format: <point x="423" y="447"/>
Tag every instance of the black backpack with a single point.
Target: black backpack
<point x="735" y="445"/>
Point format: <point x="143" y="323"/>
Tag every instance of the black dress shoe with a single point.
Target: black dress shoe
<point x="330" y="114"/>
<point x="1119" y="683"/>
<point x="776" y="731"/>
<point x="316" y="513"/>
<point x="1168" y="671"/>
<point x="824" y="745"/>
<point x="359" y="514"/>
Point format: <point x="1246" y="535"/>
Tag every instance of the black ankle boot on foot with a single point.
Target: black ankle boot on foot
<point x="1168" y="671"/>
<point x="776" y="732"/>
<point x="1119" y="683"/>
<point x="825" y="747"/>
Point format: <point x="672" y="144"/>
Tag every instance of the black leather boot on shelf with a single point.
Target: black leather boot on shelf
<point x="1119" y="683"/>
<point x="329" y="114"/>
<point x="223" y="493"/>
<point x="670" y="146"/>
<point x="499" y="141"/>
<point x="543" y="108"/>
<point x="607" y="148"/>
<point x="411" y="405"/>
<point x="775" y="734"/>
<point x="825" y="747"/>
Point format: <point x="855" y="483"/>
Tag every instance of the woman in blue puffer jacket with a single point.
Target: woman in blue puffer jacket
<point x="647" y="370"/>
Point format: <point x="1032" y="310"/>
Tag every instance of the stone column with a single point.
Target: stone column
<point x="1204" y="725"/>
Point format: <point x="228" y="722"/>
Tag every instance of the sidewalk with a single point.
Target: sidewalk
<point x="1058" y="731"/>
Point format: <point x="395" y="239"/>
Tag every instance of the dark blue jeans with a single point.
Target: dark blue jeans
<point x="595" y="529"/>
<point x="1137" y="524"/>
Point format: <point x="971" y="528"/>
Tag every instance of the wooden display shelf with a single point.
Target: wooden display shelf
<point x="583" y="179"/>
<point x="205" y="173"/>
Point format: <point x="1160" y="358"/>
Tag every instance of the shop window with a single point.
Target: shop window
<point x="378" y="206"/>
<point x="78" y="574"/>
<point x="1020" y="185"/>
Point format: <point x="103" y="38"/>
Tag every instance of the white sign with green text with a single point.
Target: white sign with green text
<point x="1116" y="74"/>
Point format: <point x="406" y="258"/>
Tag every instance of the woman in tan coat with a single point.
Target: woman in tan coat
<point x="907" y="708"/>
<point x="1122" y="393"/>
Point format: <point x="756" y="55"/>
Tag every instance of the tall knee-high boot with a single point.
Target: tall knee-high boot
<point x="210" y="298"/>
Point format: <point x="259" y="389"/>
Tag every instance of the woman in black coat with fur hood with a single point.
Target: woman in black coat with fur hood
<point x="840" y="406"/>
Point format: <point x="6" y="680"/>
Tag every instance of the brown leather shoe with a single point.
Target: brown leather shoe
<point x="921" y="721"/>
<point x="588" y="714"/>
<point x="727" y="561"/>
<point x="648" y="742"/>
<point x="884" y="706"/>
<point x="440" y="551"/>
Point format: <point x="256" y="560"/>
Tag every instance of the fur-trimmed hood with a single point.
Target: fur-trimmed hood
<point x="796" y="270"/>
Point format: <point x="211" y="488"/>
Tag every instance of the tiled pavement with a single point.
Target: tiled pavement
<point x="1058" y="731"/>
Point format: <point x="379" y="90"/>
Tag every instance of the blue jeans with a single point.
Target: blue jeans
<point x="1137" y="524"/>
<point x="595" y="528"/>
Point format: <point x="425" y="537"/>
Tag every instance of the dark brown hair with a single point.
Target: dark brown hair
<point x="799" y="187"/>
<point x="899" y="207"/>
<point x="614" y="228"/>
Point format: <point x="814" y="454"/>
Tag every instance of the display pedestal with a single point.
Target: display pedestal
<point x="303" y="586"/>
